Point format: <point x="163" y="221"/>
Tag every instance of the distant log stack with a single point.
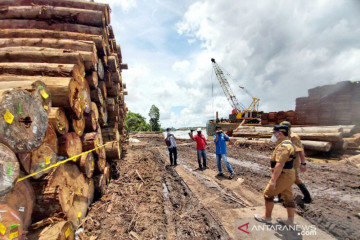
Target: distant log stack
<point x="60" y="85"/>
<point x="337" y="104"/>
<point x="318" y="139"/>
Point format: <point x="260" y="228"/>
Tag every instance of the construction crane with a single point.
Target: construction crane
<point x="239" y="110"/>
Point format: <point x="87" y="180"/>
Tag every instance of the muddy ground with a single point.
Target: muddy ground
<point x="148" y="199"/>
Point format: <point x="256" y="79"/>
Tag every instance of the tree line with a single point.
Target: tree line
<point x="135" y="122"/>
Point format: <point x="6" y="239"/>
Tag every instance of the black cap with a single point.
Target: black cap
<point x="281" y="128"/>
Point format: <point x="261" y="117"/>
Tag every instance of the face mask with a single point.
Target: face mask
<point x="273" y="138"/>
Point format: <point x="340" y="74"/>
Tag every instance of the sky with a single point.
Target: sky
<point x="276" y="49"/>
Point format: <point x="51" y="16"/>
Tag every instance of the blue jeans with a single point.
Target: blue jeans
<point x="218" y="160"/>
<point x="203" y="154"/>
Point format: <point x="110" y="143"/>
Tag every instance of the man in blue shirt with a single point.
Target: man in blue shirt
<point x="220" y="140"/>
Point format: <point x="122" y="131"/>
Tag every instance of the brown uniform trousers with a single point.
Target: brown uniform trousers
<point x="283" y="153"/>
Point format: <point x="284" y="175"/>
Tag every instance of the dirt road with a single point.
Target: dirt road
<point x="147" y="199"/>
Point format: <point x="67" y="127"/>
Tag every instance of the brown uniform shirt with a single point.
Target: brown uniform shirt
<point x="282" y="153"/>
<point x="295" y="139"/>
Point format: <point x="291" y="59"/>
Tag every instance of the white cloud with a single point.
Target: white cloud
<point x="180" y="65"/>
<point x="276" y="49"/>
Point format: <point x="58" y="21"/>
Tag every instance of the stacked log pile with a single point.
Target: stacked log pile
<point x="329" y="105"/>
<point x="61" y="94"/>
<point x="319" y="139"/>
<point x="272" y="118"/>
<point x="337" y="104"/>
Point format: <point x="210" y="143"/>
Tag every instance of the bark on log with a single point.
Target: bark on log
<point x="327" y="137"/>
<point x="10" y="170"/>
<point x="44" y="69"/>
<point x="90" y="122"/>
<point x="69" y="145"/>
<point x="114" y="116"/>
<point x="113" y="63"/>
<point x="100" y="160"/>
<point x="63" y="230"/>
<point x="88" y="60"/>
<point x="101" y="70"/>
<point x="317" y="146"/>
<point x="63" y="44"/>
<point x="107" y="79"/>
<point x="64" y="189"/>
<point x="107" y="173"/>
<point x="41" y="55"/>
<point x="54" y="34"/>
<point x="58" y="120"/>
<point x="16" y="209"/>
<point x="94" y="109"/>
<point x="44" y="25"/>
<point x="92" y="79"/>
<point x="339" y="145"/>
<point x="55" y="14"/>
<point x="37" y="89"/>
<point x="86" y="164"/>
<point x="91" y="191"/>
<point x="116" y="77"/>
<point x="115" y="90"/>
<point x="110" y="134"/>
<point x="319" y="129"/>
<point x="86" y="97"/>
<point x="67" y="4"/>
<point x="23" y="121"/>
<point x="96" y="96"/>
<point x="42" y="157"/>
<point x="102" y="87"/>
<point x="91" y="141"/>
<point x="103" y="115"/>
<point x="100" y="185"/>
<point x="67" y="93"/>
<point x="113" y="151"/>
<point x="78" y="126"/>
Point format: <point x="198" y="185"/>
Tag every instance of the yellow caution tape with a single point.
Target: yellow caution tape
<point x="72" y="158"/>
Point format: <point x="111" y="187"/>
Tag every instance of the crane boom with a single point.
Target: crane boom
<point x="235" y="104"/>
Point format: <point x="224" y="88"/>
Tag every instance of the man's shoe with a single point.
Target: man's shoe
<point x="205" y="168"/>
<point x="232" y="176"/>
<point x="220" y="175"/>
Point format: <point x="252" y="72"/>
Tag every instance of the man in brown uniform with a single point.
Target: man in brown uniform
<point x="283" y="176"/>
<point x="299" y="162"/>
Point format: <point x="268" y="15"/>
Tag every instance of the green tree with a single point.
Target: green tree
<point x="154" y="115"/>
<point x="135" y="122"/>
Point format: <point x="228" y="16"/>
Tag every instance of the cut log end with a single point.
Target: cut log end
<point x="23" y="121"/>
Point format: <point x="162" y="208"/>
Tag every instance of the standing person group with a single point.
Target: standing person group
<point x="200" y="147"/>
<point x="171" y="143"/>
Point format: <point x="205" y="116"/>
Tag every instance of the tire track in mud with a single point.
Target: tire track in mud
<point x="187" y="217"/>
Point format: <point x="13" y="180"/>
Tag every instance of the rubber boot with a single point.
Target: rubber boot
<point x="305" y="192"/>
